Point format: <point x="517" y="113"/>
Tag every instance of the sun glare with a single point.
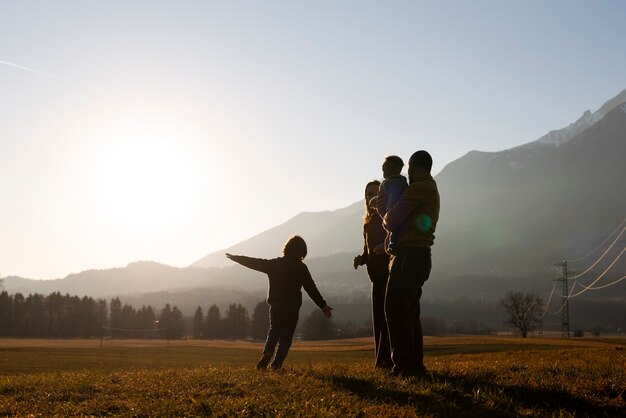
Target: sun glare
<point x="143" y="179"/>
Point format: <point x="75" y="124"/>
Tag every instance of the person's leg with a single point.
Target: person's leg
<point x="420" y="266"/>
<point x="418" y="335"/>
<point x="285" y="338"/>
<point x="408" y="272"/>
<point x="381" y="335"/>
<point x="272" y="339"/>
<point x="273" y="333"/>
<point x="398" y="314"/>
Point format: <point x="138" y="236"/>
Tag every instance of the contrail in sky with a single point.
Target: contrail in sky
<point x="32" y="70"/>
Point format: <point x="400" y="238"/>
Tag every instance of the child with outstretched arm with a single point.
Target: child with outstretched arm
<point x="287" y="276"/>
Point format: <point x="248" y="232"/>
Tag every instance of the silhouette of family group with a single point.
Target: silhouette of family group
<point x="398" y="231"/>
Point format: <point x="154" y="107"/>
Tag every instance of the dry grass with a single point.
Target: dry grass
<point x="469" y="376"/>
<point x="327" y="345"/>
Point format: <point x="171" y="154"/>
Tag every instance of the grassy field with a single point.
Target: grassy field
<point x="469" y="376"/>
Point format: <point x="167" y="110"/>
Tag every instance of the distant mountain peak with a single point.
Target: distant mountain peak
<point x="559" y="137"/>
<point x="146" y="264"/>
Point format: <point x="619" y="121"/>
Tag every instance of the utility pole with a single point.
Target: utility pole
<point x="565" y="300"/>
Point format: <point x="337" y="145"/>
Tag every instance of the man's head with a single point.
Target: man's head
<point x="392" y="166"/>
<point x="420" y="165"/>
<point x="295" y="248"/>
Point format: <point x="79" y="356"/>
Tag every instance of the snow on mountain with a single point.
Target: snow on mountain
<point x="559" y="137"/>
<point x="518" y="157"/>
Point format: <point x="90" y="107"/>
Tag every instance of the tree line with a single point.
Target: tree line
<point x="67" y="316"/>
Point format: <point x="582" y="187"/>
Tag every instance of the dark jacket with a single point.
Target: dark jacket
<point x="415" y="215"/>
<point x="390" y="191"/>
<point x="287" y="278"/>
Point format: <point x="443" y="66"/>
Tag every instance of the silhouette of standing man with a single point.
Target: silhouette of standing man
<point x="415" y="216"/>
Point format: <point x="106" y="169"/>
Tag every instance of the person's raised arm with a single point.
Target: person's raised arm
<point x="258" y="264"/>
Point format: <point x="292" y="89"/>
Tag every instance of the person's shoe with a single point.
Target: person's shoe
<point x="277" y="367"/>
<point x="262" y="364"/>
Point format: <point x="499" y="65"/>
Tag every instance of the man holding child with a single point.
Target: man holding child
<point x="412" y="219"/>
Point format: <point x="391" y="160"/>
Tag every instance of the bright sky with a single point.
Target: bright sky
<point x="164" y="131"/>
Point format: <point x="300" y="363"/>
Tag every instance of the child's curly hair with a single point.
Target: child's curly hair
<point x="295" y="247"/>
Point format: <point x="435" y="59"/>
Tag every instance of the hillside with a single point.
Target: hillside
<point x="326" y="233"/>
<point x="524" y="209"/>
<point x="137" y="277"/>
<point x="510" y="213"/>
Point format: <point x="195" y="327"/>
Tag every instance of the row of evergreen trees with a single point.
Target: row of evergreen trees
<point x="66" y="316"/>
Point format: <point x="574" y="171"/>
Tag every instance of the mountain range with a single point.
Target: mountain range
<point x="506" y="218"/>
<point x="509" y="213"/>
<point x="524" y="209"/>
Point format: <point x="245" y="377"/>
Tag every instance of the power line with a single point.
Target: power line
<point x="589" y="287"/>
<point x="601" y="257"/>
<point x="549" y="299"/>
<point x="572" y="289"/>
<point x="547" y="310"/>
<point x="599" y="246"/>
<point x="608" y="285"/>
<point x="559" y="294"/>
<point x="566" y="295"/>
<point x="557" y="312"/>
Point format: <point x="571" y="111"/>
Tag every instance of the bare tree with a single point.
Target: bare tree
<point x="523" y="310"/>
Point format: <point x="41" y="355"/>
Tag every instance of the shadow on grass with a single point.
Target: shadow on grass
<point x="542" y="401"/>
<point x="446" y="350"/>
<point x="447" y="395"/>
<point x="429" y="401"/>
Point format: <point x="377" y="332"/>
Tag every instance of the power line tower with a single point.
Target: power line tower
<point x="565" y="299"/>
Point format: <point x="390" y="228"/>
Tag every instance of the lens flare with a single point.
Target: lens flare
<point x="424" y="223"/>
